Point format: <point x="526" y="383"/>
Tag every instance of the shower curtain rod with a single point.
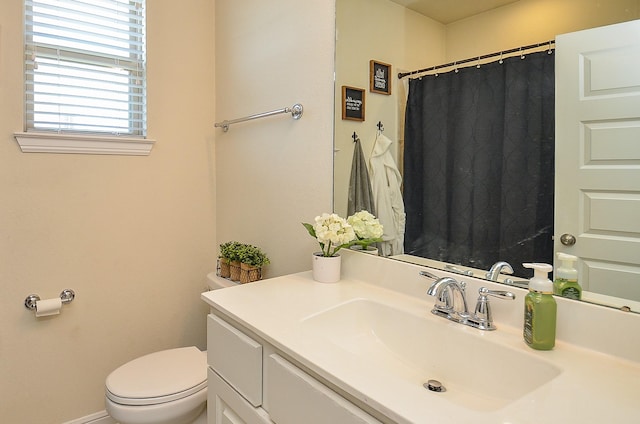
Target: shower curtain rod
<point x="474" y="59"/>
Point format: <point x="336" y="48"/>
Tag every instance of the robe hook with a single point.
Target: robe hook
<point x="355" y="137"/>
<point x="380" y="126"/>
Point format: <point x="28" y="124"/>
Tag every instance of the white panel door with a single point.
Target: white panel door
<point x="597" y="191"/>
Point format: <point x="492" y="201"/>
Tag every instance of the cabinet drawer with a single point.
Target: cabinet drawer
<point x="295" y="397"/>
<point x="235" y="357"/>
<point x="226" y="406"/>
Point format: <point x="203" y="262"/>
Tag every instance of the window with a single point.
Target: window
<point x="85" y="67"/>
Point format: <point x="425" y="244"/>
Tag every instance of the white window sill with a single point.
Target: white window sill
<point x="35" y="142"/>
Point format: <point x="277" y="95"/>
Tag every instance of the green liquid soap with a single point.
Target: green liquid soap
<point x="566" y="282"/>
<point x="540" y="309"/>
<point x="567" y="288"/>
<point x="540" y="320"/>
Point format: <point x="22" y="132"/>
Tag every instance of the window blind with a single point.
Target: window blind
<point x="85" y="66"/>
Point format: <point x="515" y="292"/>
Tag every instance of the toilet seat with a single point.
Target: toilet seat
<point x="159" y="377"/>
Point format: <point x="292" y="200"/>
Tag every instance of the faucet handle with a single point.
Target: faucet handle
<point x="429" y="275"/>
<point x="496" y="293"/>
<point x="455" y="269"/>
<point x="482" y="317"/>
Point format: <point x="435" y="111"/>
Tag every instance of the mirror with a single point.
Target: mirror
<point x="388" y="32"/>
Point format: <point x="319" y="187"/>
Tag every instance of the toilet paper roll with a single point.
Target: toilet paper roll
<point x="47" y="307"/>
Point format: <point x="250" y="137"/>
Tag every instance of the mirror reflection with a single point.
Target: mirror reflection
<point x="387" y="32"/>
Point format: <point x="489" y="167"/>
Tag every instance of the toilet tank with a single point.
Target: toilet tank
<point x="215" y="282"/>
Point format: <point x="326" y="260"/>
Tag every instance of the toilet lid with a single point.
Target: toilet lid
<point x="159" y="377"/>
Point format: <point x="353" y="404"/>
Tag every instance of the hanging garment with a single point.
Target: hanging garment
<point x="386" y="181"/>
<point x="360" y="194"/>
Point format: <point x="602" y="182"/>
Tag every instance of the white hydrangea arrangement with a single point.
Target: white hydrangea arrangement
<point x="367" y="228"/>
<point x="332" y="232"/>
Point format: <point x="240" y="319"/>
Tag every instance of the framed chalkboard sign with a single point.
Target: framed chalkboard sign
<point x="352" y="103"/>
<point x="379" y="77"/>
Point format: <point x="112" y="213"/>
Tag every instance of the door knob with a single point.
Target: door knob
<point x="568" y="239"/>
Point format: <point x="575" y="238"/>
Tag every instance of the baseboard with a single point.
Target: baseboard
<point x="98" y="418"/>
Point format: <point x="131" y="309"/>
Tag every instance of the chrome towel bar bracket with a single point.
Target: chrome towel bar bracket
<point x="295" y="110"/>
<point x="66" y="296"/>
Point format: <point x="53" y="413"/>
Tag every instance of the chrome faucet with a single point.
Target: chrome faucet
<point x="452" y="304"/>
<point x="497" y="268"/>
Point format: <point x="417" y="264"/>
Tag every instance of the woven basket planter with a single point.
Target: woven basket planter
<point x="250" y="273"/>
<point x="225" y="269"/>
<point x="234" y="270"/>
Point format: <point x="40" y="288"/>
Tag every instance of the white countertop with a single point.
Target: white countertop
<point x="592" y="387"/>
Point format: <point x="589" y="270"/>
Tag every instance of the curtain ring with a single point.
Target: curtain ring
<point x="500" y="61"/>
<point x="521" y="54"/>
<point x="455" y="67"/>
<point x="550" y="50"/>
<point x="478" y="65"/>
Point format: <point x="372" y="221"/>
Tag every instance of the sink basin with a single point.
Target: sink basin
<point x="477" y="373"/>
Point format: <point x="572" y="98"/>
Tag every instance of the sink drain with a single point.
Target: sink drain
<point x="434" y="386"/>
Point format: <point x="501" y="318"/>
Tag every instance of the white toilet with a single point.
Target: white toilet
<point x="166" y="387"/>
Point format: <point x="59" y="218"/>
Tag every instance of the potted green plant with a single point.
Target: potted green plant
<point x="252" y="260"/>
<point x="230" y="260"/>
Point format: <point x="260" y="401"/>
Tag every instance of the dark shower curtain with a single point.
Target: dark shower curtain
<point x="479" y="164"/>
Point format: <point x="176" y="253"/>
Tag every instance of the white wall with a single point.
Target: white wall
<point x="133" y="236"/>
<point x="274" y="173"/>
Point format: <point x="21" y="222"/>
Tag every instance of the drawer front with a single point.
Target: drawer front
<point x="226" y="406"/>
<point x="236" y="357"/>
<point x="295" y="397"/>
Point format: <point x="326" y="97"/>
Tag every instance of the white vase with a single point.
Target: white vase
<point x="326" y="269"/>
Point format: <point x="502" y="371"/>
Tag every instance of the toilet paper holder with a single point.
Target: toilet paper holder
<point x="66" y="296"/>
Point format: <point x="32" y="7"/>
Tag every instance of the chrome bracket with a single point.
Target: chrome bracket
<point x="66" y="296"/>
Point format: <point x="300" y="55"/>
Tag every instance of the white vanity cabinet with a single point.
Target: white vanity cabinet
<point x="250" y="382"/>
<point x="296" y="397"/>
<point x="226" y="406"/>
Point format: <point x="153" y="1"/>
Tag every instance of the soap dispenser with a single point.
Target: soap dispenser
<point x="540" y="309"/>
<point x="565" y="283"/>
